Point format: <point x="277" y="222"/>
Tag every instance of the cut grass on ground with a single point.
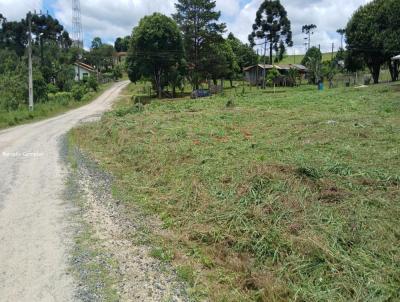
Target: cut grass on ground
<point x="276" y="197"/>
<point x="45" y="110"/>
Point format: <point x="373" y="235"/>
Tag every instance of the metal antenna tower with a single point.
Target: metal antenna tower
<point x="77" y="32"/>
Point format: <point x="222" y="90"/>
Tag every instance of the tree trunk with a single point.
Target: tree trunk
<point x="231" y="81"/>
<point x="394" y="71"/>
<point x="375" y="71"/>
<point x="270" y="53"/>
<point x="157" y="78"/>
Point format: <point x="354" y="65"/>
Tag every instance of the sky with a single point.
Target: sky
<point x="110" y="19"/>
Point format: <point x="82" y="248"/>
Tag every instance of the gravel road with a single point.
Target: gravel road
<point x="34" y="230"/>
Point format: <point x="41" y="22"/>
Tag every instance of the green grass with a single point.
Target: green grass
<point x="45" y="110"/>
<point x="285" y="196"/>
<point x="296" y="59"/>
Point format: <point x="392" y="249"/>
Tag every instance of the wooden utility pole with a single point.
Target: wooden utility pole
<point x="333" y="47"/>
<point x="30" y="80"/>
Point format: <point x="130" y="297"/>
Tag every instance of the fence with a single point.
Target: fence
<point x="359" y="78"/>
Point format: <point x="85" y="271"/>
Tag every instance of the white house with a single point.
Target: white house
<point x="83" y="70"/>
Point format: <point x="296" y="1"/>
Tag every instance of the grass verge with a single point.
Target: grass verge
<point x="267" y="197"/>
<point x="46" y="110"/>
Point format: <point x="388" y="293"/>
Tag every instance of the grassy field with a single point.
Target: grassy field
<point x="296" y="59"/>
<point x="45" y="110"/>
<point x="267" y="197"/>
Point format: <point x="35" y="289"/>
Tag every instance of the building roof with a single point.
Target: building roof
<point x="262" y="66"/>
<point x="396" y="58"/>
<point x="85" y="66"/>
<point x="120" y="54"/>
<point x="299" y="67"/>
<point x="278" y="66"/>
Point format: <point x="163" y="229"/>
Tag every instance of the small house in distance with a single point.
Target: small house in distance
<point x="83" y="71"/>
<point x="119" y="57"/>
<point x="255" y="74"/>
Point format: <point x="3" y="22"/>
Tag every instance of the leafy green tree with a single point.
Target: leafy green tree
<point x="176" y="77"/>
<point x="313" y="52"/>
<point x="273" y="74"/>
<point x="221" y="63"/>
<point x="13" y="36"/>
<point x="372" y="34"/>
<point x="8" y="61"/>
<point x="96" y="43"/>
<point x="117" y="72"/>
<point x="313" y="60"/>
<point x="92" y="83"/>
<point x="101" y="55"/>
<point x="273" y="26"/>
<point x="198" y="22"/>
<point x="122" y="44"/>
<point x="341" y="32"/>
<point x="294" y="76"/>
<point x="156" y="47"/>
<point x="65" y="77"/>
<point x="244" y="53"/>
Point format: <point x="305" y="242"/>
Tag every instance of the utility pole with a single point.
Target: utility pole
<point x="294" y="56"/>
<point x="258" y="63"/>
<point x="333" y="46"/>
<point x="30" y="81"/>
<point x="265" y="54"/>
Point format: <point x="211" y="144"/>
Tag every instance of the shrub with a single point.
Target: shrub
<point x="117" y="72"/>
<point x="78" y="91"/>
<point x="51" y="88"/>
<point x="91" y="83"/>
<point x="13" y="92"/>
<point x="62" y="98"/>
<point x="39" y="88"/>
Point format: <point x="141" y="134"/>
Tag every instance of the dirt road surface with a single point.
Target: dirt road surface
<point x="34" y="229"/>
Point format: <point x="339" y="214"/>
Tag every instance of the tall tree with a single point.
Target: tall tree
<point x="122" y="44"/>
<point x="245" y="54"/>
<point x="273" y="26"/>
<point x="341" y="32"/>
<point x="223" y="62"/>
<point x="308" y="29"/>
<point x="96" y="43"/>
<point x="313" y="60"/>
<point x="373" y="35"/>
<point x="156" y="47"/>
<point x="198" y="22"/>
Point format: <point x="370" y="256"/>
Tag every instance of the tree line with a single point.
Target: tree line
<point x="53" y="58"/>
<point x="189" y="45"/>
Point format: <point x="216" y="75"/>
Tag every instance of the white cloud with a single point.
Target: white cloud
<point x="229" y="8"/>
<point x="328" y="15"/>
<point x="112" y="18"/>
<point x="17" y="9"/>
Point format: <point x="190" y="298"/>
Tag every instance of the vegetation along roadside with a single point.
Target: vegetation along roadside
<point x="270" y="197"/>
